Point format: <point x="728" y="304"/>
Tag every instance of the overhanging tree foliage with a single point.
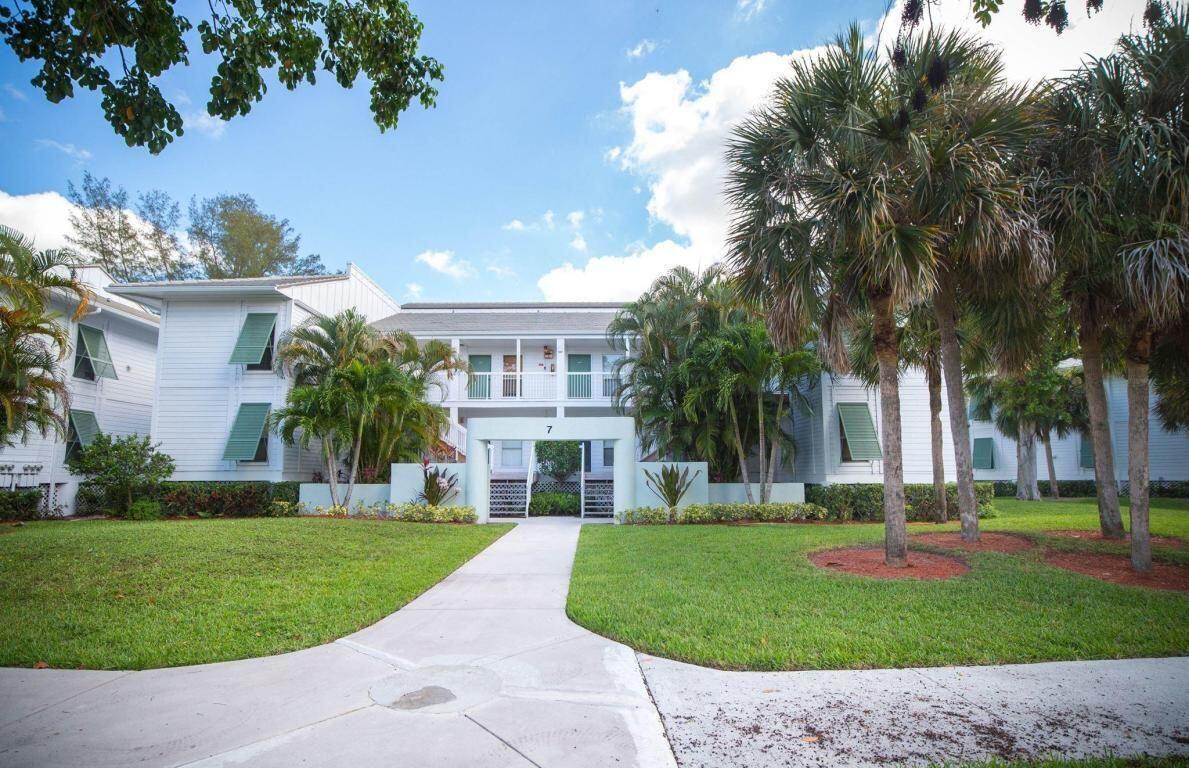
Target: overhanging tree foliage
<point x="79" y="42"/>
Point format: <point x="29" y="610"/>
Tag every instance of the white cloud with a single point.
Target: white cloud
<point x="578" y="243"/>
<point x="205" y="123"/>
<point x="1030" y="51"/>
<point x="642" y="49"/>
<point x="43" y="216"/>
<point x="515" y="225"/>
<point x="678" y="135"/>
<point x="78" y="154"/>
<point x="750" y="8"/>
<point x="444" y="262"/>
<point x="414" y="290"/>
<point x="501" y="271"/>
<point x="679" y="129"/>
<point x="547" y="219"/>
<point x="15" y="92"/>
<point x="576" y="218"/>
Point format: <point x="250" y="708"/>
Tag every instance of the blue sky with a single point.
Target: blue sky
<point x="575" y="151"/>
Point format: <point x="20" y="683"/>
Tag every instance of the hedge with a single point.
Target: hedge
<point x="1157" y="489"/>
<point x="700" y="514"/>
<point x="20" y="504"/>
<point x="201" y="498"/>
<point x="864" y="501"/>
<point x="553" y="504"/>
<point x="408" y="513"/>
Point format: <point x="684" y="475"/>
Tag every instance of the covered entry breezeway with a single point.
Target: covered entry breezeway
<point x="619" y="430"/>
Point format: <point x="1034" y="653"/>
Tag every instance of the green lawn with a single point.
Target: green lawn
<point x="129" y="595"/>
<point x="746" y="597"/>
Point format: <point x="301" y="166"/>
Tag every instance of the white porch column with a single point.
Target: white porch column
<point x="562" y="370"/>
<point x="624" y="474"/>
<point x="478" y="494"/>
<point x="519" y="371"/>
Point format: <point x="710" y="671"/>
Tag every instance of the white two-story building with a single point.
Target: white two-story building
<point x="216" y="385"/>
<point x="525" y="359"/>
<point x="110" y="372"/>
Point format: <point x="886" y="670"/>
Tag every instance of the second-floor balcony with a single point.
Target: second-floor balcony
<point x="533" y="386"/>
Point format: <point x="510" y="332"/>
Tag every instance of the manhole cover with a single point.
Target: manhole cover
<point x="424" y="697"/>
<point x="437" y="689"/>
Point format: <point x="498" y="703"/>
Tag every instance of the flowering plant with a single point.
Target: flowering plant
<point x="439" y="487"/>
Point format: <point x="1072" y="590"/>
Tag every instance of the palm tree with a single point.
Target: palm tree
<point x="920" y="347"/>
<point x="32" y="340"/>
<point x="311" y="412"/>
<point x="737" y="370"/>
<point x="662" y="327"/>
<point x="824" y="226"/>
<point x="313" y="350"/>
<point x="1118" y="200"/>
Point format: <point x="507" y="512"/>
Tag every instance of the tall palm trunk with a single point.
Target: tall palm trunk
<point x="354" y="461"/>
<point x="1109" y="519"/>
<point x="946" y="305"/>
<point x="763" y="454"/>
<point x="331" y="471"/>
<point x="742" y="457"/>
<point x="1054" y="491"/>
<point x="933" y="378"/>
<point x="1139" y="353"/>
<point x="887" y="352"/>
<point x="1027" y="488"/>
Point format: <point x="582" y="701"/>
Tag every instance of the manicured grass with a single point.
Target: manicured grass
<point x="127" y="595"/>
<point x="746" y="597"/>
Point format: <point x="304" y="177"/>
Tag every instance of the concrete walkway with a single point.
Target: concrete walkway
<point x="482" y="670"/>
<point x="917" y="717"/>
<point x="486" y="670"/>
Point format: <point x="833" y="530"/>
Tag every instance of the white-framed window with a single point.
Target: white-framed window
<point x="511" y="453"/>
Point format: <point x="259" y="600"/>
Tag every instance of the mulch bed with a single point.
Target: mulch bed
<point x="987" y="542"/>
<point x="1158" y="541"/>
<point x="868" y="561"/>
<point x="1117" y="570"/>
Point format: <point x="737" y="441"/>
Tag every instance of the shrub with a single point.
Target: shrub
<point x="440" y="486"/>
<point x="122" y="467"/>
<point x="144" y="509"/>
<point x="409" y="513"/>
<point x="700" y="514"/>
<point x="279" y="508"/>
<point x="1168" y="489"/>
<point x="554" y="503"/>
<point x="670" y="484"/>
<point x="559" y="458"/>
<point x="286" y="490"/>
<point x="864" y="501"/>
<point x="217" y="499"/>
<point x="20" y="504"/>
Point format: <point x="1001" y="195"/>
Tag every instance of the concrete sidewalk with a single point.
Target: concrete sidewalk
<point x="915" y="717"/>
<point x="484" y="669"/>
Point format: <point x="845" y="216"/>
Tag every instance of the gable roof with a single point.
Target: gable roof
<point x="160" y="289"/>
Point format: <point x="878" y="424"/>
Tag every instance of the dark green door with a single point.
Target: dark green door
<point x="579" y="373"/>
<point x="479" y="387"/>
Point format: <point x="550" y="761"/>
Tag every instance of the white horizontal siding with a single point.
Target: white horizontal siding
<point x="358" y="291"/>
<point x="122" y="406"/>
<point x="199" y="392"/>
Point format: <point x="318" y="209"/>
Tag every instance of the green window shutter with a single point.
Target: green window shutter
<point x="859" y="431"/>
<point x="246" y="431"/>
<point x="1086" y="459"/>
<point x="984" y="453"/>
<point x="95" y="344"/>
<point x="253" y="338"/>
<point x="85" y="425"/>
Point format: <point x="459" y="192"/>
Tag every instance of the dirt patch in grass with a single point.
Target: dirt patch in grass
<point x="868" y="561"/>
<point x="987" y="542"/>
<point x="1117" y="570"/>
<point x="1159" y="541"/>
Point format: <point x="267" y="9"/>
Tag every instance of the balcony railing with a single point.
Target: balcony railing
<point x="535" y="386"/>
